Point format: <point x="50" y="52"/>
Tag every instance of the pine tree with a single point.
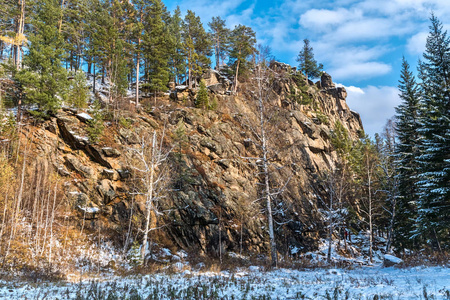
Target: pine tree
<point x="242" y="46"/>
<point x="197" y="44"/>
<point x="434" y="161"/>
<point x="406" y="154"/>
<point x="78" y="93"/>
<point x="73" y="27"/>
<point x="45" y="80"/>
<point x="12" y="29"/>
<point x="176" y="56"/>
<point x="155" y="45"/>
<point x="307" y="64"/>
<point x="220" y="35"/>
<point x="202" y="96"/>
<point x="136" y="38"/>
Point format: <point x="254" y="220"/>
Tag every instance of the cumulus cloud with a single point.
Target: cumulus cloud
<point x="321" y="19"/>
<point x="416" y="43"/>
<point x="375" y="105"/>
<point x="360" y="70"/>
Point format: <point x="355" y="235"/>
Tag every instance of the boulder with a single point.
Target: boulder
<point x="390" y="260"/>
<point x="110" y="152"/>
<point x="326" y="81"/>
<point x="106" y="190"/>
<point x="74" y="164"/>
<point x="218" y="88"/>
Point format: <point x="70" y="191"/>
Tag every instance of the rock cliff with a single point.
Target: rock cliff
<point x="212" y="190"/>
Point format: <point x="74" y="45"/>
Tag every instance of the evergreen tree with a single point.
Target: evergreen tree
<point x="73" y="26"/>
<point x="12" y="29"/>
<point x="137" y="37"/>
<point x="202" y="96"/>
<point x="406" y="154"/>
<point x="176" y="56"/>
<point x="155" y="45"/>
<point x="434" y="161"/>
<point x="44" y="80"/>
<point x="307" y="64"/>
<point x="242" y="46"/>
<point x="78" y="93"/>
<point x="197" y="44"/>
<point x="220" y="35"/>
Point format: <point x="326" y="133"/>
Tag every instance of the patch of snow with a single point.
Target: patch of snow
<point x="90" y="210"/>
<point x="85" y="116"/>
<point x="392" y="259"/>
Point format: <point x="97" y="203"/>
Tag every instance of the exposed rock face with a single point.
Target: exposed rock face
<point x="326" y="81"/>
<point x="213" y="185"/>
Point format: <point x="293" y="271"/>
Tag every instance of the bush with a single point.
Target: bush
<point x="202" y="100"/>
<point x="95" y="128"/>
<point x="78" y="90"/>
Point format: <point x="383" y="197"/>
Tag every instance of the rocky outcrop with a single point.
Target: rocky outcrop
<point x="213" y="180"/>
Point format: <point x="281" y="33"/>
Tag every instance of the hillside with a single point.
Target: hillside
<point x="211" y="189"/>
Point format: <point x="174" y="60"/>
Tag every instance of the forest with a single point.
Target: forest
<point x="113" y="58"/>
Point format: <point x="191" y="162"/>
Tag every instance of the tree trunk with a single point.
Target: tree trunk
<point x="273" y="247"/>
<point x="149" y="202"/>
<point x="391" y="227"/>
<point x="369" y="181"/>
<point x="61" y="19"/>
<point x="93" y="86"/>
<point x="138" y="58"/>
<point x="236" y="77"/>
<point x="330" y="227"/>
<point x="217" y="55"/>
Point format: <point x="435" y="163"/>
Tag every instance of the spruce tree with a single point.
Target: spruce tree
<point x="434" y="161"/>
<point x="307" y="64"/>
<point x="44" y="79"/>
<point x="406" y="155"/>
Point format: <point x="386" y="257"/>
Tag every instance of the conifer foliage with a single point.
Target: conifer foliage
<point x="307" y="64"/>
<point x="424" y="142"/>
<point x="434" y="159"/>
<point x="45" y="79"/>
<point x="406" y="154"/>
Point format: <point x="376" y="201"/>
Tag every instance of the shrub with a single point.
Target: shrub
<point x="202" y="97"/>
<point x="95" y="128"/>
<point x="78" y="90"/>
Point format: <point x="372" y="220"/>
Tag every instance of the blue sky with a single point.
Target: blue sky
<point x="360" y="43"/>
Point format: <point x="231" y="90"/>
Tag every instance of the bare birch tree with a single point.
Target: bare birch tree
<point x="264" y="79"/>
<point x="149" y="162"/>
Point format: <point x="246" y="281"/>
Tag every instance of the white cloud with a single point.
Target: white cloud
<point x="360" y="70"/>
<point x="351" y="89"/>
<point x="320" y="19"/>
<point x="416" y="43"/>
<point x="374" y="104"/>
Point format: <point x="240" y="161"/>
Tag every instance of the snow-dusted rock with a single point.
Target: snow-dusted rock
<point x="390" y="260"/>
<point x="84" y="117"/>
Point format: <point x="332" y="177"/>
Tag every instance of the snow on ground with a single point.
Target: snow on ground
<point x="252" y="283"/>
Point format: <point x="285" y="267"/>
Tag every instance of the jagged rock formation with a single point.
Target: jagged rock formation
<point x="213" y="184"/>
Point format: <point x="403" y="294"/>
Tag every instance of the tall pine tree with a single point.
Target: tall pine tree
<point x="242" y="46"/>
<point x="197" y="44"/>
<point x="220" y="35"/>
<point x="156" y="43"/>
<point x="44" y="79"/>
